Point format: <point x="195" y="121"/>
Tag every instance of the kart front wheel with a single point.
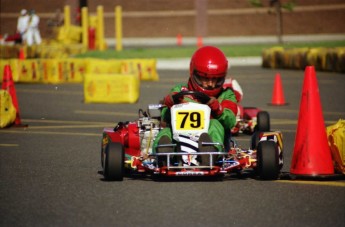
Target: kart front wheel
<point x="268" y="160"/>
<point x="254" y="140"/>
<point x="113" y="167"/>
<point x="263" y="121"/>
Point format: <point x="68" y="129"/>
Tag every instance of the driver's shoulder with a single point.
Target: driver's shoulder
<point x="227" y="94"/>
<point x="180" y="87"/>
<point x="227" y="91"/>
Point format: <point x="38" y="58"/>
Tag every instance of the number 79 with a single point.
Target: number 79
<point x="192" y="119"/>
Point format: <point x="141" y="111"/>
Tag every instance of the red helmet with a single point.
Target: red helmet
<point x="208" y="62"/>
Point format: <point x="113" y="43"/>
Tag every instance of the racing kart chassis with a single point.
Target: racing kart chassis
<point x="127" y="148"/>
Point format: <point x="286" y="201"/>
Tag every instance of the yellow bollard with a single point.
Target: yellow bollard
<point x="67" y="16"/>
<point x="118" y="27"/>
<point x="85" y="26"/>
<point x="100" y="28"/>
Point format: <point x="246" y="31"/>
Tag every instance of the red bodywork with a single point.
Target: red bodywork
<point x="128" y="135"/>
<point x="246" y="116"/>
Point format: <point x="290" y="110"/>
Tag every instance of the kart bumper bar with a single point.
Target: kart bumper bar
<point x="174" y="154"/>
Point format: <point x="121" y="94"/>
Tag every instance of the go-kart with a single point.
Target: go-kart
<point x="127" y="148"/>
<point x="248" y="119"/>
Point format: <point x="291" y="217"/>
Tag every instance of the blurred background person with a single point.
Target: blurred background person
<point x="22" y="26"/>
<point x="33" y="35"/>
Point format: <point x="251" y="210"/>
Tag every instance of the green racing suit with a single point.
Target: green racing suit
<point x="218" y="124"/>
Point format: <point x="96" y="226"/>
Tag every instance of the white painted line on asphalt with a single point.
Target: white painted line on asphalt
<point x="8" y="145"/>
<point x="105" y="113"/>
<point x="51" y="133"/>
<point x="323" y="183"/>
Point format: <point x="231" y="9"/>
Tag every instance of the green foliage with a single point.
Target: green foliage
<point x="256" y="3"/>
<point x="237" y="50"/>
<point x="289" y="6"/>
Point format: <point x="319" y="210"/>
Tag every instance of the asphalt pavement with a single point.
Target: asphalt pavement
<point x="50" y="171"/>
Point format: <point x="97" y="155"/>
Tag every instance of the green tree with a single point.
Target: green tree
<point x="278" y="5"/>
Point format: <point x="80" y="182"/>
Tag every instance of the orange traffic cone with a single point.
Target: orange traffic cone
<point x="179" y="39"/>
<point x="21" y="55"/>
<point x="278" y="98"/>
<point x="311" y="155"/>
<point x="8" y="84"/>
<point x="199" y="42"/>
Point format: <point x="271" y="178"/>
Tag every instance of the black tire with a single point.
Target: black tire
<point x="263" y="122"/>
<point x="113" y="167"/>
<point x="103" y="148"/>
<point x="102" y="157"/>
<point x="268" y="160"/>
<point x="254" y="141"/>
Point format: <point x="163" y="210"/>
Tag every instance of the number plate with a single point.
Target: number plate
<point x="190" y="118"/>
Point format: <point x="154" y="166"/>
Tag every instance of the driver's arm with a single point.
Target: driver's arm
<point x="228" y="106"/>
<point x="168" y="100"/>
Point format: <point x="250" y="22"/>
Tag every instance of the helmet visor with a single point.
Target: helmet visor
<point x="207" y="81"/>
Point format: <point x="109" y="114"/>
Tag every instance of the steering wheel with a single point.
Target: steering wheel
<point x="203" y="98"/>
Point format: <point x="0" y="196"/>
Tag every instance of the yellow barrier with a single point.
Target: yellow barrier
<point x="28" y="71"/>
<point x="69" y="34"/>
<point x="23" y="70"/>
<point x="3" y="62"/>
<point x="73" y="70"/>
<point x="336" y="141"/>
<point x="7" y="109"/>
<point x="111" y="88"/>
<point x="295" y="58"/>
<point x="145" y="69"/>
<point x="97" y="66"/>
<point x="273" y="57"/>
<point x="340" y="65"/>
<point x="76" y="70"/>
<point x="324" y="59"/>
<point x="53" y="71"/>
<point x="8" y="51"/>
<point x="63" y="70"/>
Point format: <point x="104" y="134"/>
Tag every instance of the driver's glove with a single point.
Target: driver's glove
<point x="168" y="100"/>
<point x="215" y="106"/>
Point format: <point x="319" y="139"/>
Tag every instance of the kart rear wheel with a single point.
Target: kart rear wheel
<point x="263" y="121"/>
<point x="113" y="167"/>
<point x="268" y="160"/>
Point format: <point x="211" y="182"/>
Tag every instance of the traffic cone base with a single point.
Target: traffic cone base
<point x="278" y="98"/>
<point x="317" y="177"/>
<point x="311" y="156"/>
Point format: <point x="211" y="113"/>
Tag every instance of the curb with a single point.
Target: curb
<point x="231" y="40"/>
<point x="183" y="63"/>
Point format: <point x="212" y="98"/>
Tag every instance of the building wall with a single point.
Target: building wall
<point x="167" y="18"/>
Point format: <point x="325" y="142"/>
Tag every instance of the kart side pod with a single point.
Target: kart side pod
<point x="127" y="135"/>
